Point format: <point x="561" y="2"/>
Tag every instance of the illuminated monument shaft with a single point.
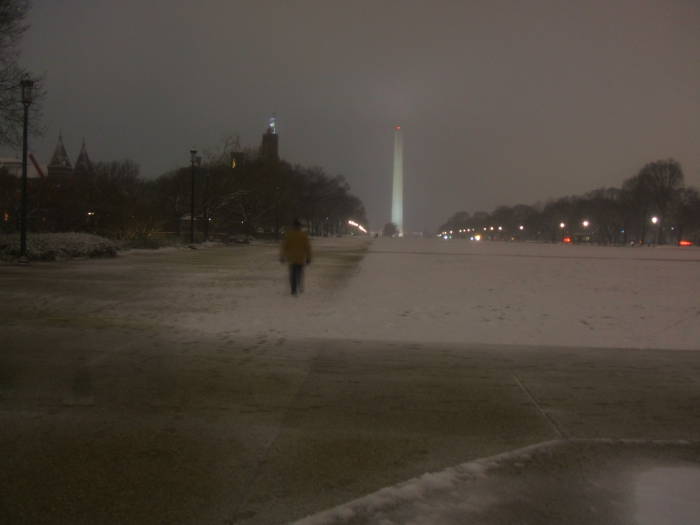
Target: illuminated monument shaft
<point x="397" y="191"/>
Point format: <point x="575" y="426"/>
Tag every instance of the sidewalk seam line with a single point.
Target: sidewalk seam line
<point x="263" y="459"/>
<point x="551" y="420"/>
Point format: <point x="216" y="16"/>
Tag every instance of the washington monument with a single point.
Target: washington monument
<point x="397" y="192"/>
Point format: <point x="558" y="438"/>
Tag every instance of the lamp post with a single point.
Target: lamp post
<point x="27" y="85"/>
<point x="193" y="159"/>
<point x="205" y="204"/>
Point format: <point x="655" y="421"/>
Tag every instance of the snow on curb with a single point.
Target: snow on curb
<point x="419" y="491"/>
<point x="419" y="488"/>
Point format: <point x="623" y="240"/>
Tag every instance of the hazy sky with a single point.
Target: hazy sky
<point x="500" y="101"/>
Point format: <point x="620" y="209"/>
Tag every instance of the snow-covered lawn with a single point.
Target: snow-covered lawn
<point x="425" y="290"/>
<point x="53" y="246"/>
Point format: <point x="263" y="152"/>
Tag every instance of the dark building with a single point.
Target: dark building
<point x="60" y="163"/>
<point x="269" y="149"/>
<point x="83" y="165"/>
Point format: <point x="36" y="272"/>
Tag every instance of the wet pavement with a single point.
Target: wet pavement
<point x="136" y="429"/>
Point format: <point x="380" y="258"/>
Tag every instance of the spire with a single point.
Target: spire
<point x="83" y="162"/>
<point x="60" y="159"/>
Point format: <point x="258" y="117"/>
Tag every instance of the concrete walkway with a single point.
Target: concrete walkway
<point x="138" y="430"/>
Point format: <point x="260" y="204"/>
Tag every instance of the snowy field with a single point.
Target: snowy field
<point x="465" y="292"/>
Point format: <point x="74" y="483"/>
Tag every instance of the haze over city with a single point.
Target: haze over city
<point x="500" y="102"/>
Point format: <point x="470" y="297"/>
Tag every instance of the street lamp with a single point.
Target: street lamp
<point x="655" y="221"/>
<point x="562" y="225"/>
<point x="585" y="224"/>
<point x="27" y="86"/>
<point x="193" y="159"/>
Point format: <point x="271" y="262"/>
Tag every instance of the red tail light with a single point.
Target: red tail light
<point x="686" y="243"/>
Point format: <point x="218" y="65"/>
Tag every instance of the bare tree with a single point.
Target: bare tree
<point x="12" y="27"/>
<point x="686" y="213"/>
<point x="653" y="190"/>
<point x="664" y="179"/>
<point x="390" y="230"/>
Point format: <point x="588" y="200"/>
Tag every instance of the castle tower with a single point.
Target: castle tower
<point x="269" y="149"/>
<point x="397" y="188"/>
<point x="83" y="164"/>
<point x="60" y="163"/>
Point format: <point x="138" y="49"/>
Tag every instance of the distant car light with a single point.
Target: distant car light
<point x="567" y="240"/>
<point x="686" y="243"/>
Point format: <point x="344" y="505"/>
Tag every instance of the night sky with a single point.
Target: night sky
<point x="500" y="102"/>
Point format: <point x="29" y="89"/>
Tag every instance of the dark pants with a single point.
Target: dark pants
<point x="296" y="276"/>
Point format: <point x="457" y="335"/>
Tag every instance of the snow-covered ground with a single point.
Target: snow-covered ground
<point x="426" y="290"/>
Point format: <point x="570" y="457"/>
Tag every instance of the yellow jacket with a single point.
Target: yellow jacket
<point x="296" y="248"/>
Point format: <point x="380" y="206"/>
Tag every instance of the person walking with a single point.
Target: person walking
<point x="296" y="251"/>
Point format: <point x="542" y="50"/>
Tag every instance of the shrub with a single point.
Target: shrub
<point x="53" y="246"/>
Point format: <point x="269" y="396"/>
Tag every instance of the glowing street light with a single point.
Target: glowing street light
<point x="521" y="227"/>
<point x="585" y="224"/>
<point x="562" y="225"/>
<point x="654" y="220"/>
<point x="359" y="226"/>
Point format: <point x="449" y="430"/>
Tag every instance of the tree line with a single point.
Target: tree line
<point x="257" y="197"/>
<point x="653" y="206"/>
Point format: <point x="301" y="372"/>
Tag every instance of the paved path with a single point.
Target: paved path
<point x="266" y="432"/>
<point x="119" y="422"/>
